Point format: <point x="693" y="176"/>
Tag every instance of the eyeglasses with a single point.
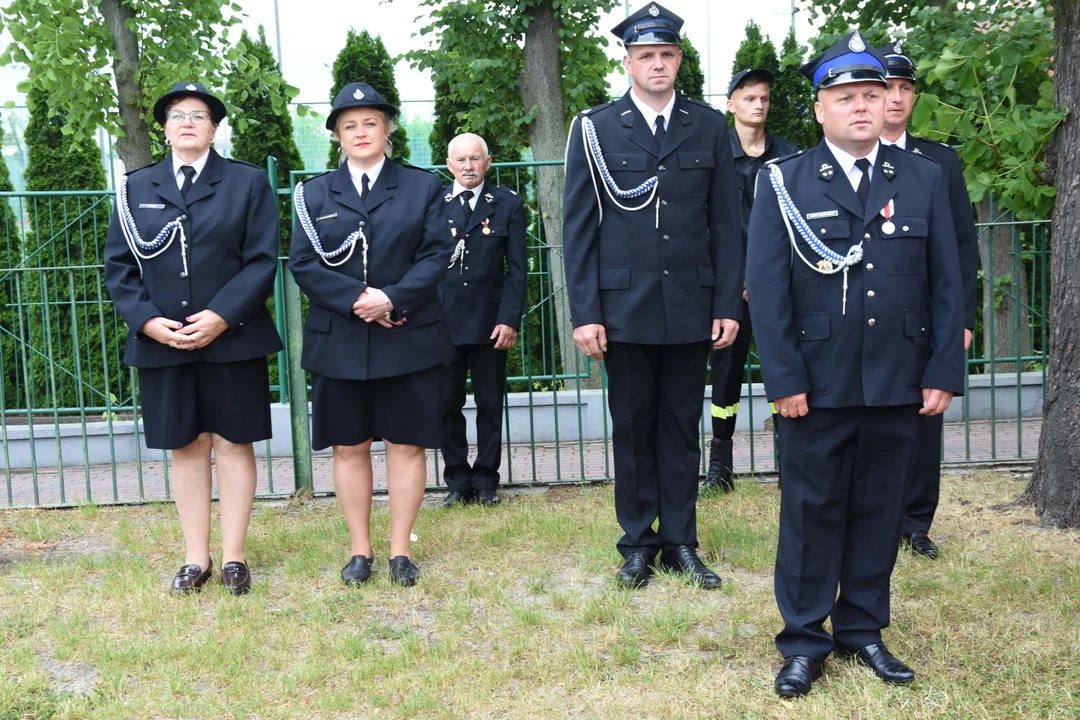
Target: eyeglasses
<point x="198" y="117"/>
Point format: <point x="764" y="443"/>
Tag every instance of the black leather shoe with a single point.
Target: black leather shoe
<point x="797" y="676"/>
<point x="191" y="578"/>
<point x="403" y="571"/>
<point x="920" y="544"/>
<point x="236" y="577"/>
<point x="878" y="658"/>
<point x="487" y="497"/>
<point x="458" y="498"/>
<point x="720" y="477"/>
<point x="636" y="569"/>
<point x="684" y="559"/>
<point x="358" y="570"/>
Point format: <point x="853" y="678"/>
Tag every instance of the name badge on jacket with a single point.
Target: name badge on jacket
<point x="151" y="206"/>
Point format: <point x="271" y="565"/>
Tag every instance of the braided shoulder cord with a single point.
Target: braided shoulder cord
<point x="595" y="155"/>
<point x="141" y="249"/>
<point x="347" y="247"/>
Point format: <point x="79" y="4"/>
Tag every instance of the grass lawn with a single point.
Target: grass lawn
<point x="517" y="616"/>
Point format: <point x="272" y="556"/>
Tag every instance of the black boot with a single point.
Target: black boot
<point x="720" y="472"/>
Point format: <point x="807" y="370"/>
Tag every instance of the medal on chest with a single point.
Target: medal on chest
<point x="887" y="212"/>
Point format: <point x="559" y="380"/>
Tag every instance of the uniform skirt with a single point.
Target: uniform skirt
<point x="229" y="399"/>
<point x="404" y="409"/>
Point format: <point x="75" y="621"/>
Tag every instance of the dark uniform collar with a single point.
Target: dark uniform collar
<point x="737" y="150"/>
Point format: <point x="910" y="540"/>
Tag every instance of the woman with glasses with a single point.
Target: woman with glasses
<point x="369" y="248"/>
<point x="189" y="263"/>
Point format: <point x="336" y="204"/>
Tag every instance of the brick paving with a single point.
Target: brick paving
<point x="979" y="442"/>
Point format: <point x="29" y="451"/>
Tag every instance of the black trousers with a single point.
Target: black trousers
<point x="728" y="367"/>
<point x="846" y="473"/>
<point x="654" y="394"/>
<point x="488" y="367"/>
<point x="922" y="498"/>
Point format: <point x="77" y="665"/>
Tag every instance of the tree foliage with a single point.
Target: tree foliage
<point x="451" y="119"/>
<point x="365" y="59"/>
<point x="791" y="112"/>
<point x="755" y="51"/>
<point x="691" y="80"/>
<point x="9" y="256"/>
<point x="103" y="63"/>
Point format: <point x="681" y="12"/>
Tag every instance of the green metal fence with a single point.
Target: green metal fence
<point x="70" y="407"/>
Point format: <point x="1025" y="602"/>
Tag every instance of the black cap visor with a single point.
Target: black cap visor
<point x="852" y="74"/>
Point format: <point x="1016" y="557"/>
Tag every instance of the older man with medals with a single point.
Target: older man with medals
<point x="654" y="276"/>
<point x="855" y="292"/>
<point x="922" y="499"/>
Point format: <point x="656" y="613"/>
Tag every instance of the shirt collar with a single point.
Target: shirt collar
<point x="901" y="142"/>
<point x="459" y="188"/>
<point x="847" y="161"/>
<point x="650" y="115"/>
<point x="737" y="150"/>
<point x="372" y="172"/>
<point x="199" y="164"/>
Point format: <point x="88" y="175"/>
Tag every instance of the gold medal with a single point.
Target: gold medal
<point x="825" y="265"/>
<point x="487" y="231"/>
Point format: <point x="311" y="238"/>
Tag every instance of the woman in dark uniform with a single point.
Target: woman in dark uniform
<point x="369" y="248"/>
<point x="189" y="263"/>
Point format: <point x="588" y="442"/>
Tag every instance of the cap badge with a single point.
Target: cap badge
<point x="897" y="48"/>
<point x="358" y="94"/>
<point x="191" y="87"/>
<point x="856" y="44"/>
<point x="653" y="10"/>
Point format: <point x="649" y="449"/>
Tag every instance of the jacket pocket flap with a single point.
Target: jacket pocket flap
<point x="705" y="276"/>
<point x="494" y="230"/>
<point x="626" y="161"/>
<point x="317" y="320"/>
<point x="908" y="227"/>
<point x="696" y="159"/>
<point x="830" y="229"/>
<point x="813" y="326"/>
<point x="615" y="278"/>
<point x="916" y="323"/>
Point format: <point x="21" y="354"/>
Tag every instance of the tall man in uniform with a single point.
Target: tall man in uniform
<point x="482" y="301"/>
<point x="751" y="147"/>
<point x="654" y="278"/>
<point x="922" y="500"/>
<point x="855" y="290"/>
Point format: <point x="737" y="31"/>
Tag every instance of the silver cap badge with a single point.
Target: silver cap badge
<point x="856" y="43"/>
<point x="190" y="87"/>
<point x="653" y="10"/>
<point x="358" y="94"/>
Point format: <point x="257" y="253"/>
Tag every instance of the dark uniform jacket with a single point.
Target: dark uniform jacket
<point x="662" y="274"/>
<point x="746" y="170"/>
<point x="477" y="293"/>
<point x="967" y="238"/>
<point x="404" y="218"/>
<point x="232" y="245"/>
<point x="903" y="328"/>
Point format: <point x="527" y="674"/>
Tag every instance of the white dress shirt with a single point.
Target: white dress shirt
<point x="901" y="142"/>
<point x="199" y="164"/>
<point x="650" y="115"/>
<point x="459" y="188"/>
<point x="372" y="173"/>
<point x="847" y="164"/>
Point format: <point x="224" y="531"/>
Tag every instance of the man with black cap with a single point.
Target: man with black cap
<point x="922" y="499"/>
<point x="751" y="146"/>
<point x="654" y="278"/>
<point x="854" y="285"/>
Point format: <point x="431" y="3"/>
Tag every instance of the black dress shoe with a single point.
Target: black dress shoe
<point x="403" y="571"/>
<point x="636" y="569"/>
<point x="720" y="478"/>
<point x="797" y="676"/>
<point x="191" y="578"/>
<point x="684" y="559"/>
<point x="920" y="544"/>
<point x="878" y="658"/>
<point x="487" y="497"/>
<point x="458" y="498"/>
<point x="236" y="577"/>
<point x="358" y="570"/>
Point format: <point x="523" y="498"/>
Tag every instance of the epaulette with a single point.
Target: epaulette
<point x="313" y="177"/>
<point x="507" y="190"/>
<point x="144" y="167"/>
<point x="241" y="162"/>
<point x="596" y="108"/>
<point x="784" y="157"/>
<point x="414" y="167"/>
<point x="701" y="103"/>
<point x="917" y="153"/>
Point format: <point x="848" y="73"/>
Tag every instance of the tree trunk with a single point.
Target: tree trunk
<point x="1055" y="486"/>
<point x="1009" y="278"/>
<point x="540" y="86"/>
<point x="134" y="147"/>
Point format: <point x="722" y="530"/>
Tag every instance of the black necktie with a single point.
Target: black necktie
<point x="660" y="131"/>
<point x="466" y="206"/>
<point x="189" y="179"/>
<point x="364" y="186"/>
<point x="863" y="190"/>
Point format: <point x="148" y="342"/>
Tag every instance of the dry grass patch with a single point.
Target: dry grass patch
<point x="517" y="616"/>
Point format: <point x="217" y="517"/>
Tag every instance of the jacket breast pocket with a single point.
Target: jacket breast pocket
<point x="696" y="183"/>
<point x="493" y="243"/>
<point x="614" y="296"/>
<point x="630" y="162"/>
<point x="317" y="320"/>
<point x="904" y="250"/>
